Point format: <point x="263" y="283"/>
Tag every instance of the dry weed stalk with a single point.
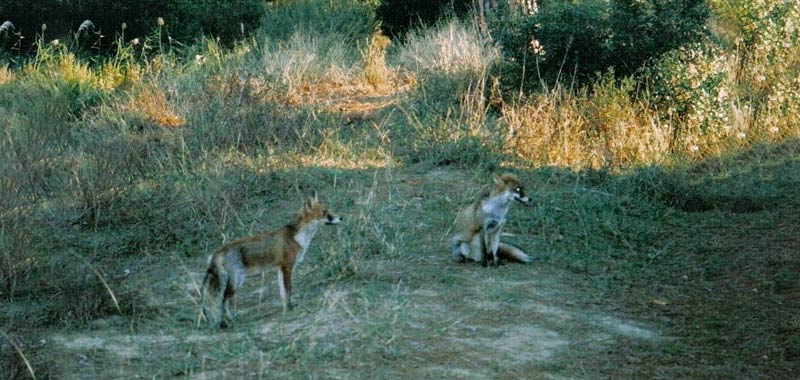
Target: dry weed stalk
<point x="376" y="72"/>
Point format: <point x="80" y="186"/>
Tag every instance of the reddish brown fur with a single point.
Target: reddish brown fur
<point x="282" y="249"/>
<point x="478" y="227"/>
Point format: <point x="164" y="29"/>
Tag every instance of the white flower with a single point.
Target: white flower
<point x="135" y="41"/>
<point x="694" y="148"/>
<point x="741" y="135"/>
<point x="537" y="47"/>
<point x="774" y="129"/>
<point x="55" y="42"/>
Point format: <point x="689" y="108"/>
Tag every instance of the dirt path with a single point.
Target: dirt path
<point x="410" y="312"/>
<point x="466" y="322"/>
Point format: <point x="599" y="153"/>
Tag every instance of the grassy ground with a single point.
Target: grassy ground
<point x="625" y="286"/>
<point x="121" y="177"/>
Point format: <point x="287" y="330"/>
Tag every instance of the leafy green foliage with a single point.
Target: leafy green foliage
<point x="741" y="84"/>
<point x="571" y="41"/>
<point x="183" y="20"/>
<point x="226" y="19"/>
<point x="398" y="16"/>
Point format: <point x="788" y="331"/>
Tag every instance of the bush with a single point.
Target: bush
<point x="737" y="88"/>
<point x="227" y="19"/>
<point x="693" y="84"/>
<point x="184" y="20"/>
<point x="398" y="16"/>
<point x="566" y="40"/>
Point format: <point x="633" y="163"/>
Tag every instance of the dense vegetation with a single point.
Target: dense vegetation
<point x="183" y="20"/>
<point x="572" y="41"/>
<point x="399" y="16"/>
<point x="658" y="138"/>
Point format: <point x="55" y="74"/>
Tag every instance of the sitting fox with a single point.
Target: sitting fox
<point x="478" y="226"/>
<point x="283" y="249"/>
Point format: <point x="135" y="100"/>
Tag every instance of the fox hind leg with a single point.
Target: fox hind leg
<point x="476" y="249"/>
<point x="227" y="299"/>
<point x="460" y="250"/>
<point x="215" y="286"/>
<point x="233" y="274"/>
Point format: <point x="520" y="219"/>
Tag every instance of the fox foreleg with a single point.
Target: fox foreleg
<point x="491" y="241"/>
<point x="285" y="286"/>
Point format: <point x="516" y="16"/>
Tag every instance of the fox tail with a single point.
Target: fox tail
<point x="511" y="252"/>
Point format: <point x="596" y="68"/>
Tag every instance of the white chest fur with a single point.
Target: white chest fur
<point x="497" y="207"/>
<point x="303" y="237"/>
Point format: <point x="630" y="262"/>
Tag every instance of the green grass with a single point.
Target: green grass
<point x="624" y="286"/>
<point x="119" y="181"/>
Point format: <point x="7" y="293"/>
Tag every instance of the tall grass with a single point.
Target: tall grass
<point x="603" y="127"/>
<point x="168" y="153"/>
<point x="131" y="154"/>
<point x="449" y="47"/>
<point x="447" y="112"/>
<point x="376" y="72"/>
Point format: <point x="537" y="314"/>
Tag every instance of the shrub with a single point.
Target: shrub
<point x="735" y="89"/>
<point x="574" y="40"/>
<point x="692" y="87"/>
<point x="399" y="16"/>
<point x="184" y="20"/>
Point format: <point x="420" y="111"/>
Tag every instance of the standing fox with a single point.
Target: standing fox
<point x="478" y="226"/>
<point x="283" y="249"/>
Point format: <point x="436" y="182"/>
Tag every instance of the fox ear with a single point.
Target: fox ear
<point x="316" y="198"/>
<point x="310" y="203"/>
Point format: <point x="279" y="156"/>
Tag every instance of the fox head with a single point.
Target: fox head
<point x="509" y="184"/>
<point x="313" y="210"/>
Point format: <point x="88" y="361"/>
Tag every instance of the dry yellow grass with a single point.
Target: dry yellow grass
<point x="376" y="73"/>
<point x="580" y="131"/>
<point x="5" y="75"/>
<point x="149" y="102"/>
